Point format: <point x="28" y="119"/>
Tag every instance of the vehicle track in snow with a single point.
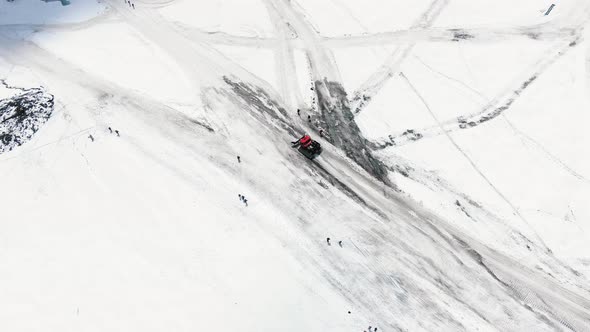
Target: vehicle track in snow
<point x="386" y="206"/>
<point x="370" y="87"/>
<point x="199" y="59"/>
<point x="473" y="165"/>
<point x="527" y="138"/>
<point x="545" y="32"/>
<point x="499" y="104"/>
<point x="451" y="34"/>
<point x="285" y="68"/>
<point x="402" y="268"/>
<point x="320" y="58"/>
<point x="570" y="310"/>
<point x="395" y="276"/>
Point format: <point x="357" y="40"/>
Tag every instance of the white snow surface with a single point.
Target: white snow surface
<point x="482" y="228"/>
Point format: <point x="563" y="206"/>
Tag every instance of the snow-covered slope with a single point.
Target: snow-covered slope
<point x="454" y="171"/>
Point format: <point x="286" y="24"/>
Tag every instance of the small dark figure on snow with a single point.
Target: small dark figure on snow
<point x="239" y="159"/>
<point x="309" y="118"/>
<point x="340" y="243"/>
<point x="245" y="201"/>
<point x="110" y="130"/>
<point x="321" y="133"/>
<point x="328" y="241"/>
<point x="240" y="197"/>
<point x="133" y="5"/>
<point x="91" y="137"/>
<point x="117" y="132"/>
<point x="298" y="112"/>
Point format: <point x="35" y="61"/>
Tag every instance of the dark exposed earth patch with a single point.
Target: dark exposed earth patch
<point x="337" y="120"/>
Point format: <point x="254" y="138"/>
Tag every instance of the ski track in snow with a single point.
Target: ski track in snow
<point x="544" y="150"/>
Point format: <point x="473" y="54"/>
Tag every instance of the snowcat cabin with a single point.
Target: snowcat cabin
<point x="305" y="141"/>
<point x="308" y="147"/>
<point x="312" y="150"/>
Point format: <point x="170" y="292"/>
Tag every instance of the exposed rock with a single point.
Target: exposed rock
<point x="21" y="117"/>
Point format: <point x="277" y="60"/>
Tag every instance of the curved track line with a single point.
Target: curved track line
<point x="494" y="108"/>
<point x="362" y="96"/>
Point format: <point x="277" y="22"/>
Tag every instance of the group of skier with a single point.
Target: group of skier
<point x="243" y="199"/>
<point x="305" y="144"/>
<point x="116" y="131"/>
<point x="132" y="5"/>
<point x="329" y="243"/>
<point x="321" y="130"/>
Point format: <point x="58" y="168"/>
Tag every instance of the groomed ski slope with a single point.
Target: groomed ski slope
<point x="145" y="232"/>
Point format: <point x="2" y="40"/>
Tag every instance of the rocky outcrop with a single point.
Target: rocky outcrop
<point x="22" y="115"/>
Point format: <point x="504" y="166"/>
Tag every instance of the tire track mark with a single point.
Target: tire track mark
<point x="544" y="150"/>
<point x="451" y="34"/>
<point x="362" y="96"/>
<point x="285" y="68"/>
<point x="493" y="109"/>
<point x="473" y="164"/>
<point x="321" y="59"/>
